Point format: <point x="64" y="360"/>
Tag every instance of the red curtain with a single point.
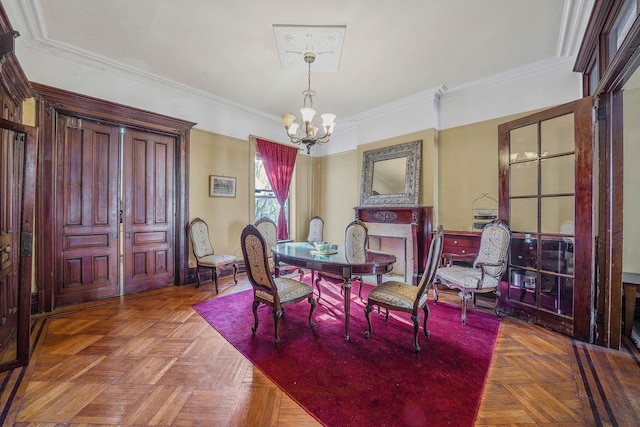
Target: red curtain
<point x="278" y="161"/>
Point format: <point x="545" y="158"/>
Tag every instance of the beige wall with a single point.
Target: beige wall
<point x="213" y="154"/>
<point x="631" y="206"/>
<point x="302" y="208"/>
<point x="468" y="158"/>
<point x="337" y="191"/>
<point x="468" y="167"/>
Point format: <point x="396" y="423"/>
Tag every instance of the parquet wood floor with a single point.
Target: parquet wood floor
<point x="149" y="359"/>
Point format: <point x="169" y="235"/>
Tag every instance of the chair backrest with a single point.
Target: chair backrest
<point x="199" y="233"/>
<point x="433" y="262"/>
<point x="494" y="247"/>
<point x="356" y="239"/>
<point x="254" y="251"/>
<point x="316" y="229"/>
<point x="269" y="231"/>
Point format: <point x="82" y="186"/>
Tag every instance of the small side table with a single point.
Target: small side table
<point x="631" y="285"/>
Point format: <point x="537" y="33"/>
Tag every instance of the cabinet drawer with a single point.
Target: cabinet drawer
<point x="461" y="243"/>
<point x="457" y="249"/>
<point x="458" y="242"/>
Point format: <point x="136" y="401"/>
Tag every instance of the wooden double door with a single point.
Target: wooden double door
<point x="114" y="210"/>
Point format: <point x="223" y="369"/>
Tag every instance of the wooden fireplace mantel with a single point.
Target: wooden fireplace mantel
<point x="420" y="219"/>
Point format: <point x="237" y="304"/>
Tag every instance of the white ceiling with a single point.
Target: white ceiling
<point x="391" y="50"/>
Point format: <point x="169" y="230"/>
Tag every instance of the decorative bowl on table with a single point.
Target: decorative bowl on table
<point x="324" y="248"/>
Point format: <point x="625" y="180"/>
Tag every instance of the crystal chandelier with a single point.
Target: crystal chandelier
<point x="308" y="131"/>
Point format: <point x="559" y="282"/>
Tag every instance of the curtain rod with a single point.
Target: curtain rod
<point x="254" y="137"/>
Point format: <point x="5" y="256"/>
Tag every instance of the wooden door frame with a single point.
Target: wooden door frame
<point x="51" y="103"/>
<point x="604" y="74"/>
<point x="24" y="242"/>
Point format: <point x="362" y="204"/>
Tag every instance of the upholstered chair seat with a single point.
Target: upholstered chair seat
<point x="287" y="289"/>
<point x="397" y="294"/>
<point x="467" y="278"/>
<point x="217" y="260"/>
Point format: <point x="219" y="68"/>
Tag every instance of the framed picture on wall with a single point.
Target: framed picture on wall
<point x="222" y="186"/>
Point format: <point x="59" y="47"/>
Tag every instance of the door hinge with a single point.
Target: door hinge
<point x="26" y="244"/>
<point x="601" y="113"/>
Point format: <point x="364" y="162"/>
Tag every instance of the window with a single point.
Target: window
<point x="265" y="200"/>
<point x="621" y="27"/>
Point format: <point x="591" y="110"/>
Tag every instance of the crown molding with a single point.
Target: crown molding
<point x="575" y="16"/>
<point x="426" y="95"/>
<point x="101" y="63"/>
<point x="511" y="75"/>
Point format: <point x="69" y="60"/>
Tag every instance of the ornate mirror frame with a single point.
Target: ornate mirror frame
<point x="412" y="151"/>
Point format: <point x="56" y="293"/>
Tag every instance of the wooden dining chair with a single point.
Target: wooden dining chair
<point x="205" y="257"/>
<point x="275" y="292"/>
<point x="405" y="297"/>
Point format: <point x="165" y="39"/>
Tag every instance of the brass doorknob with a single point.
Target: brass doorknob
<point x="7" y="249"/>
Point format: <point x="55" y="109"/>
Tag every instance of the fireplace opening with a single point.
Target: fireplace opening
<point x="394" y="246"/>
<point x="395" y="239"/>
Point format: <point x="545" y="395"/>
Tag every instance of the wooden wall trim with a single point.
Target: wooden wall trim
<point x="78" y="105"/>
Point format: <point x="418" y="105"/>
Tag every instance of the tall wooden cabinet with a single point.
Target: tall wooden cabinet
<point x="17" y="178"/>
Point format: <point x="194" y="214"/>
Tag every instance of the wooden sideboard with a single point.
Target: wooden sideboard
<point x="419" y="218"/>
<point x="461" y="243"/>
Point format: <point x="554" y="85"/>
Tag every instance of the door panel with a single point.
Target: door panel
<point x="87" y="206"/>
<point x="8" y="280"/>
<point x="149" y="216"/>
<point x="546" y="196"/>
<point x="17" y="177"/>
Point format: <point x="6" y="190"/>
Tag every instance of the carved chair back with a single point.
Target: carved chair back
<point x="316" y="229"/>
<point x="254" y="251"/>
<point x="199" y="233"/>
<point x="433" y="262"/>
<point x="494" y="245"/>
<point x="356" y="239"/>
<point x="269" y="231"/>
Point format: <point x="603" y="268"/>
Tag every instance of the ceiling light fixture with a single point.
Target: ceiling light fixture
<point x="308" y="132"/>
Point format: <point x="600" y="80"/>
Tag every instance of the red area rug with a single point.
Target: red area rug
<point x="377" y="381"/>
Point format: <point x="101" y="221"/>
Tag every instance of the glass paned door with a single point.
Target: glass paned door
<point x="543" y="195"/>
<point x="542" y="170"/>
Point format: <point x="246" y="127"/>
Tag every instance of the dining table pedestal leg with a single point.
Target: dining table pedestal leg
<point x="346" y="290"/>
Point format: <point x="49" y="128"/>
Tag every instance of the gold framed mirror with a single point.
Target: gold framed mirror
<point x="391" y="175"/>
